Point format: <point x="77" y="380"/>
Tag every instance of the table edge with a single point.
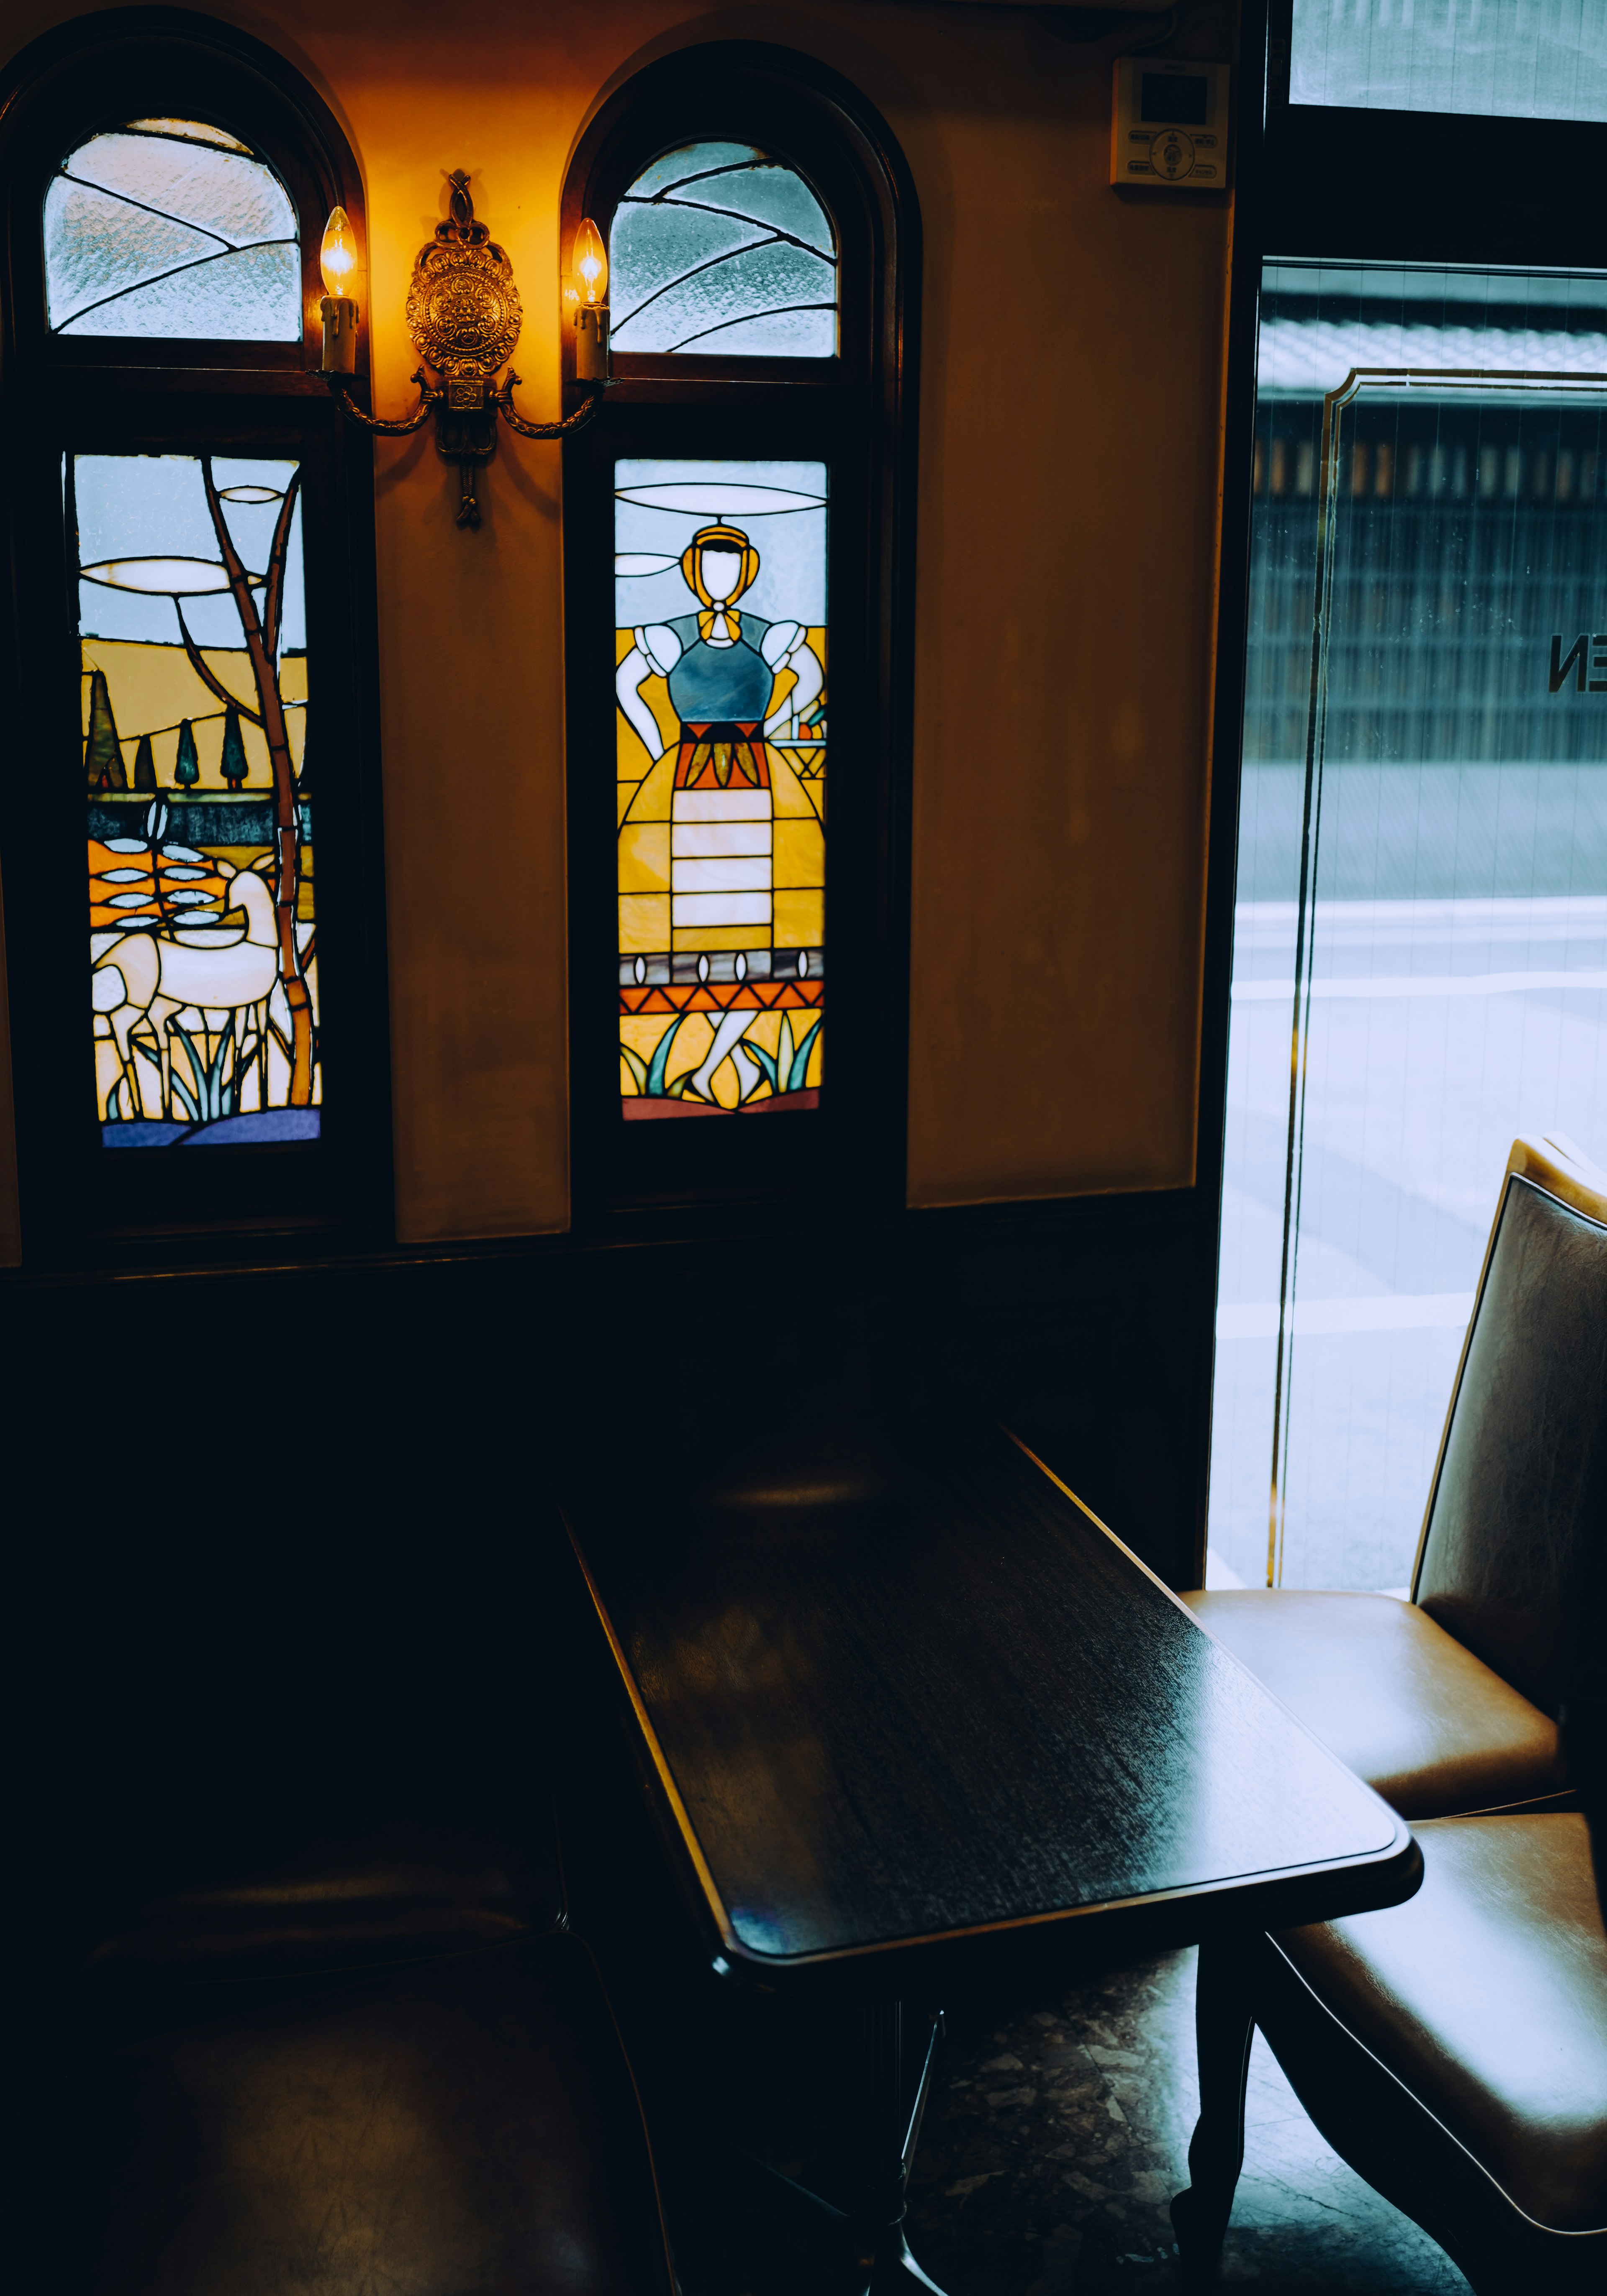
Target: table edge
<point x="1400" y="1850"/>
<point x="1195" y="1620"/>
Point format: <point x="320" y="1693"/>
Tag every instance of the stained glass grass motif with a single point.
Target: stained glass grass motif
<point x="717" y="249"/>
<point x="204" y="972"/>
<point x="171" y="227"/>
<point x="720" y="762"/>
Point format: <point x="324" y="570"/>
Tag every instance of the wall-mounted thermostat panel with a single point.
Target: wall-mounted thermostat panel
<point x="1169" y="127"/>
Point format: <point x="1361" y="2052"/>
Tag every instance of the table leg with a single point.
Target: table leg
<point x="891" y="2132"/>
<point x="1224" y="2014"/>
<point x="762" y="2217"/>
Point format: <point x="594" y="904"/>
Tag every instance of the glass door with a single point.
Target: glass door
<point x="1421" y="947"/>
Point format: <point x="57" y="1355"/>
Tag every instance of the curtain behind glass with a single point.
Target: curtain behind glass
<point x="1506" y="59"/>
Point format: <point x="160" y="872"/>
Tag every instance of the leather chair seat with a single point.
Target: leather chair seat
<point x="384" y="1825"/>
<point x="1428" y="1726"/>
<point x="1486" y="1997"/>
<point x="471" y="2125"/>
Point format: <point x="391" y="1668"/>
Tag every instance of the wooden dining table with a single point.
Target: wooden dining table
<point x="904" y="1703"/>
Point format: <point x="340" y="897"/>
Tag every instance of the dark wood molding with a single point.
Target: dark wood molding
<point x="1078" y="1319"/>
<point x="1227" y="726"/>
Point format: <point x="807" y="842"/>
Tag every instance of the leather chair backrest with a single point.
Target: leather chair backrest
<point x="1517" y="1519"/>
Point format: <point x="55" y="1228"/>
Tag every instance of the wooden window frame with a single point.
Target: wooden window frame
<point x="82" y="1203"/>
<point x="856" y="412"/>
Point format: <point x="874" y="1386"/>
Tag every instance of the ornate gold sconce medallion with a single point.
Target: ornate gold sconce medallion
<point x="464" y="314"/>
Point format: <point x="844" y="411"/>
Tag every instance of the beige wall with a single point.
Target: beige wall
<point x="1070" y="418"/>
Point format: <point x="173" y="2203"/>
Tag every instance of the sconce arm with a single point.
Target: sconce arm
<point x="503" y="398"/>
<point x="428" y="398"/>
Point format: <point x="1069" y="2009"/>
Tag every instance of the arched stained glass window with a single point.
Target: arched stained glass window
<point x="717" y="249"/>
<point x="171" y="227"/>
<point x="734" y="529"/>
<point x="191" y="825"/>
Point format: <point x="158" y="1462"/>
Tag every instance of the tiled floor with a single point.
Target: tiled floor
<point x="1058" y="2133"/>
<point x="1058" y="2137"/>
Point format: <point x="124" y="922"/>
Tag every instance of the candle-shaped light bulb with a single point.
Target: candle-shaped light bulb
<point x="591" y="265"/>
<point x="337" y="256"/>
<point x="337" y="260"/>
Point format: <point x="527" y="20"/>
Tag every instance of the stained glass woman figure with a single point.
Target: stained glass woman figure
<point x="724" y="667"/>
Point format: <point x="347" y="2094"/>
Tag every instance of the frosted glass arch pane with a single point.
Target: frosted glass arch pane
<point x="223" y="192"/>
<point x="165" y="230"/>
<point x="717" y="249"/>
<point x="1498" y="58"/>
<point x="749" y="283"/>
<point x="772" y="196"/>
<point x="654" y="244"/>
<point x="779" y="334"/>
<point x="96" y="246"/>
<point x="690" y="160"/>
<point x="221" y="301"/>
<point x="192" y="131"/>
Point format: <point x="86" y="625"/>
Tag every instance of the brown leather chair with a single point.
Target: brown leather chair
<point x="385" y="1824"/>
<point x="465" y="2124"/>
<point x="1450" y="1704"/>
<point x="1452" y="2049"/>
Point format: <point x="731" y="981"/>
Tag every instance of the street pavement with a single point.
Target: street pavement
<point x="1443" y="1023"/>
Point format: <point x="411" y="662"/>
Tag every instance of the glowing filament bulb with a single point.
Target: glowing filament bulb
<point x="591" y="265"/>
<point x="337" y="257"/>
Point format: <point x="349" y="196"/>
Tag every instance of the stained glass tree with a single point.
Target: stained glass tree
<point x="103" y="751"/>
<point x="144" y="765"/>
<point x="186" y="773"/>
<point x="234" y="751"/>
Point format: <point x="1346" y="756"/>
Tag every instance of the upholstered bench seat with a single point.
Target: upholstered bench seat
<point x="464" y="2125"/>
<point x="385" y="1823"/>
<point x="1452" y="2049"/>
<point x="1428" y="1726"/>
<point x="324" y="2120"/>
<point x="1486" y="1997"/>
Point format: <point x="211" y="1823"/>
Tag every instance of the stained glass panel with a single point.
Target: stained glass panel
<point x="717" y="249"/>
<point x="720" y="651"/>
<point x="203" y="981"/>
<point x="170" y="228"/>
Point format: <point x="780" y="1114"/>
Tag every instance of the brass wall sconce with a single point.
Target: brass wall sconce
<point x="464" y="314"/>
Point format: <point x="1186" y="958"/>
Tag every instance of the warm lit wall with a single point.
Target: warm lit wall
<point x="1070" y="411"/>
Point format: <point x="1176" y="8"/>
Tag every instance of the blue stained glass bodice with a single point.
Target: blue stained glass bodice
<point x="720" y="684"/>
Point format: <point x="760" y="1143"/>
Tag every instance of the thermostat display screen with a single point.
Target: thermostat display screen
<point x="1175" y="97"/>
